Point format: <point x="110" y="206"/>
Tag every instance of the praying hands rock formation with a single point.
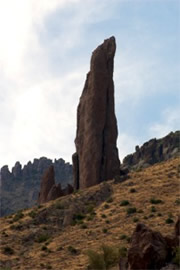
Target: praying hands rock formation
<point x="96" y="158"/>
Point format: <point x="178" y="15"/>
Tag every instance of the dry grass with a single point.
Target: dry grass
<point x="109" y="226"/>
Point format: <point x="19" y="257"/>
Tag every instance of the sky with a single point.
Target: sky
<point x="45" y="50"/>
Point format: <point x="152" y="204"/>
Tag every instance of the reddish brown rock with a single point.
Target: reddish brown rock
<point x="96" y="158"/>
<point x="177" y="227"/>
<point x="54" y="193"/>
<point x="48" y="189"/>
<point x="148" y="251"/>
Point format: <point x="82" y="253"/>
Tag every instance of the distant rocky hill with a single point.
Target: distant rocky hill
<point x="20" y="187"/>
<point x="154" y="151"/>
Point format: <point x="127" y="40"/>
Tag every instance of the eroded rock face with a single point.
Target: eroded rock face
<point x="154" y="151"/>
<point x="96" y="158"/>
<point x="148" y="250"/>
<point x="47" y="183"/>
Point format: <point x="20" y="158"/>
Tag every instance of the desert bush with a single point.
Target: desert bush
<point x="124" y="203"/>
<point x="83" y="226"/>
<point x="103" y="216"/>
<point x="104" y="230"/>
<point x="159" y="215"/>
<point x="176" y="258"/>
<point x="122" y="252"/>
<point x="106" y="206"/>
<point x="135" y="219"/>
<point x="72" y="250"/>
<point x="42" y="238"/>
<point x="110" y="200"/>
<point x="169" y="220"/>
<point x="32" y="214"/>
<point x="107" y="221"/>
<point x="131" y="210"/>
<point x="133" y="190"/>
<point x="8" y="250"/>
<point x="153" y="209"/>
<point x="44" y="248"/>
<point x="155" y="201"/>
<point x="123" y="236"/>
<point x="177" y="202"/>
<point x="18" y="216"/>
<point x="96" y="260"/>
<point x="105" y="259"/>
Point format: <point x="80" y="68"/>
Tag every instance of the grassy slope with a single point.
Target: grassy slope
<point x="160" y="181"/>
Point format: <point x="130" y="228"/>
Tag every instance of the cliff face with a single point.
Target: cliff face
<point x="154" y="151"/>
<point x="20" y="188"/>
<point x="96" y="158"/>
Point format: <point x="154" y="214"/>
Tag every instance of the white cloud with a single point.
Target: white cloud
<point x="170" y="121"/>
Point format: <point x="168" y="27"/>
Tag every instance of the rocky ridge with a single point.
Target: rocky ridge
<point x="20" y="187"/>
<point x="154" y="151"/>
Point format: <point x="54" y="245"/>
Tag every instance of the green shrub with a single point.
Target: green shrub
<point x="104" y="230"/>
<point x="107" y="221"/>
<point x="177" y="202"/>
<point x="145" y="217"/>
<point x="72" y="250"/>
<point x="176" y="258"/>
<point x="107" y="258"/>
<point x="83" y="226"/>
<point x="90" y="208"/>
<point x="159" y="215"/>
<point x="123" y="236"/>
<point x="169" y="220"/>
<point x="79" y="216"/>
<point x="8" y="250"/>
<point x="131" y="210"/>
<point x="103" y="216"/>
<point x="153" y="209"/>
<point x="44" y="248"/>
<point x="110" y="200"/>
<point x="18" y="216"/>
<point x="155" y="201"/>
<point x="32" y="214"/>
<point x="106" y="206"/>
<point x="133" y="190"/>
<point x="124" y="203"/>
<point x="42" y="238"/>
<point x="140" y="211"/>
<point x="96" y="260"/>
<point x="111" y="255"/>
<point x="135" y="219"/>
<point x="122" y="252"/>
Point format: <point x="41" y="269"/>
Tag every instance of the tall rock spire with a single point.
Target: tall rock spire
<point x="96" y="158"/>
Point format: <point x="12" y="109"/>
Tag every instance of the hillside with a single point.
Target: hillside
<point x="57" y="234"/>
<point x="20" y="188"/>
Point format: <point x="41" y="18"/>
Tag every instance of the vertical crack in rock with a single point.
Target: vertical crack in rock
<point x="96" y="158"/>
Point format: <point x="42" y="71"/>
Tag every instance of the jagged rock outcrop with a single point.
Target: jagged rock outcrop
<point x="48" y="190"/>
<point x="151" y="250"/>
<point x="20" y="187"/>
<point x="96" y="158"/>
<point x="154" y="151"/>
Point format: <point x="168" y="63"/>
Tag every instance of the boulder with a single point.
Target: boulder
<point x="148" y="249"/>
<point x="96" y="158"/>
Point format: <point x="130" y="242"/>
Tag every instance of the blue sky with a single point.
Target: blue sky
<point x="45" y="50"/>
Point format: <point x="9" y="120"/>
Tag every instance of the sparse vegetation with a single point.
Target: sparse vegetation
<point x="124" y="203"/>
<point x="110" y="200"/>
<point x="155" y="201"/>
<point x="104" y="230"/>
<point x="32" y="214"/>
<point x="42" y="238"/>
<point x="133" y="190"/>
<point x="131" y="210"/>
<point x="8" y="250"/>
<point x="123" y="236"/>
<point x="59" y="205"/>
<point x="176" y="258"/>
<point x="106" y="206"/>
<point x="18" y="216"/>
<point x="169" y="220"/>
<point x="177" y="202"/>
<point x="153" y="209"/>
<point x="135" y="219"/>
<point x="103" y="216"/>
<point x="105" y="259"/>
<point x="72" y="250"/>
